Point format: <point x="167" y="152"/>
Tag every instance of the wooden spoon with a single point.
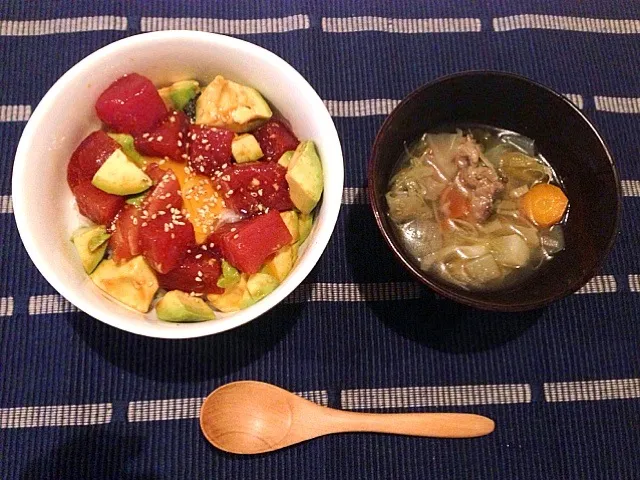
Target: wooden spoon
<point x="254" y="417"/>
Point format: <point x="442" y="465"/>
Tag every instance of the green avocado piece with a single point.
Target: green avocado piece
<point x="290" y="218"/>
<point x="230" y="275"/>
<point x="177" y="306"/>
<point x="91" y="243"/>
<point x="281" y="263"/>
<point x="120" y="176"/>
<point x="245" y="148"/>
<point x="304" y="176"/>
<point x="128" y="147"/>
<point x="234" y="298"/>
<point x="137" y="199"/>
<point x="177" y="95"/>
<point x="133" y="283"/>
<point x="305" y="222"/>
<point x="285" y="158"/>
<point x="261" y="284"/>
<point x="229" y="105"/>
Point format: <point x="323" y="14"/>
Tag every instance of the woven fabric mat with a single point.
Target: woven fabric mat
<point x="79" y="399"/>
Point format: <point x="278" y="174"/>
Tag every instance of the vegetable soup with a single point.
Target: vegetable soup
<point x="479" y="208"/>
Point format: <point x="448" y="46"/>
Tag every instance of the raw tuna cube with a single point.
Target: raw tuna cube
<point x="125" y="236"/>
<point x="167" y="139"/>
<point x="252" y="188"/>
<point x="248" y="243"/>
<point x="165" y="196"/>
<point x="164" y="241"/>
<point x="131" y="104"/>
<point x="209" y="149"/>
<point x="198" y="273"/>
<point x="98" y="206"/>
<point x="275" y="138"/>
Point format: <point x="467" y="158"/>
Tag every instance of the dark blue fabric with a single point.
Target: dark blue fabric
<point x="70" y="358"/>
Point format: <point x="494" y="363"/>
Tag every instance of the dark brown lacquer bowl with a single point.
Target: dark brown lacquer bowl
<point x="563" y="136"/>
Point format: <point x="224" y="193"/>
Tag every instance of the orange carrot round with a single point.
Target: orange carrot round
<point x="544" y="204"/>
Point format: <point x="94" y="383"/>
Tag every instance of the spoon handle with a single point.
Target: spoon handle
<point x="440" y="425"/>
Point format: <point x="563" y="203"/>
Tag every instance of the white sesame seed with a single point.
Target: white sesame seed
<point x="145" y="135"/>
<point x="233" y="229"/>
<point x="198" y="279"/>
<point x="179" y="143"/>
<point x="198" y="256"/>
<point x="235" y="236"/>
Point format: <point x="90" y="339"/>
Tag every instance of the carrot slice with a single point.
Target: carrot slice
<point x="544" y="204"/>
<point x="453" y="203"/>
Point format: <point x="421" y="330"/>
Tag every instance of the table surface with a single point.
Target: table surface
<point x="79" y="399"/>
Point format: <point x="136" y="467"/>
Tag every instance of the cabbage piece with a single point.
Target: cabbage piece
<point x="445" y="148"/>
<point x="522" y="143"/>
<point x="456" y="273"/>
<point x="518" y="166"/>
<point x="518" y="192"/>
<point x="552" y="240"/>
<point x="405" y="206"/>
<point x="483" y="269"/>
<point x="510" y="250"/>
<point x="494" y="155"/>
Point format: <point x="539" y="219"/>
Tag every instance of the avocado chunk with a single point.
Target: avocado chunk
<point x="137" y="199"/>
<point x="281" y="263"/>
<point x="120" y="176"/>
<point x="177" y="306"/>
<point x="227" y="104"/>
<point x="261" y="284"/>
<point x="234" y="298"/>
<point x="133" y="283"/>
<point x="285" y="158"/>
<point x="304" y="176"/>
<point x="177" y="96"/>
<point x="245" y="148"/>
<point x="91" y="243"/>
<point x="128" y="147"/>
<point x="305" y="222"/>
<point x="290" y="219"/>
<point x="230" y="275"/>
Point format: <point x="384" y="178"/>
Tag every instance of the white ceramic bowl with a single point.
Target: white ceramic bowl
<point x="44" y="206"/>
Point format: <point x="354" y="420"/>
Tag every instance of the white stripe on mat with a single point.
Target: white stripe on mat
<point x="56" y="415"/>
<point x="634" y="283"/>
<point x="15" y="113"/>
<point x="355" y="196"/>
<point x="576" y="99"/>
<point x="227" y="26"/>
<point x="630" y="188"/>
<point x="47" y="304"/>
<point x="556" y="22"/>
<point x="600" y="284"/>
<point x="6" y="306"/>
<point x="6" y="204"/>
<point x="400" y="25"/>
<point x="181" y="408"/>
<point x="407" y="397"/>
<point x="592" y="390"/>
<point x="361" y="108"/>
<point x="617" y="104"/>
<point x="61" y="25"/>
<point x="354" y="292"/>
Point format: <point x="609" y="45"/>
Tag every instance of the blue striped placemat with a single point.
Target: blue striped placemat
<point x="79" y="399"/>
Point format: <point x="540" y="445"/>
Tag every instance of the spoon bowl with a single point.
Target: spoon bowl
<point x="251" y="417"/>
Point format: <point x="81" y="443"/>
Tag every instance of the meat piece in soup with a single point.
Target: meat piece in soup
<point x="479" y="209"/>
